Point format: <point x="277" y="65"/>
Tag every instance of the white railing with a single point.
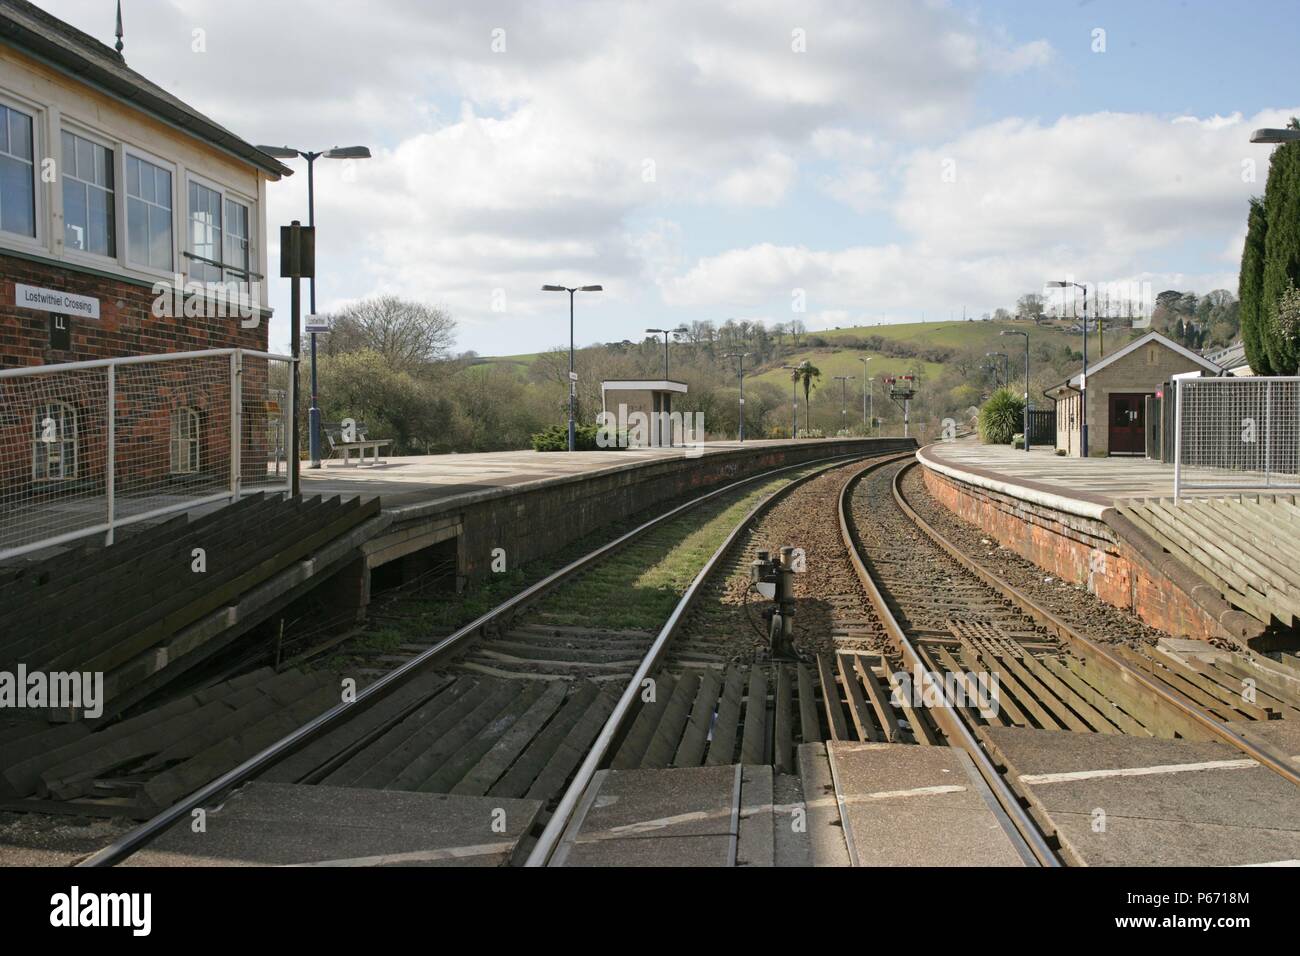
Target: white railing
<point x="1237" y="434"/>
<point x="89" y="447"/>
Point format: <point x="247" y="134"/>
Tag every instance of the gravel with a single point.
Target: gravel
<point x="1096" y="620"/>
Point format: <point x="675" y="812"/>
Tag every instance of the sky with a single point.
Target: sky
<point x="838" y="162"/>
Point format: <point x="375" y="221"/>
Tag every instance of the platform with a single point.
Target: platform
<point x="271" y="824"/>
<point x="404" y="483"/>
<point x="480" y="510"/>
<point x="1143" y="801"/>
<point x="1082" y="486"/>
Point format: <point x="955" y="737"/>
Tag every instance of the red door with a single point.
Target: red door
<point x="1128" y="424"/>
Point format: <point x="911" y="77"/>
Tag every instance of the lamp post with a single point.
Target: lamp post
<point x="844" y="400"/>
<point x="665" y="333"/>
<point x="794" y="401"/>
<point x="740" y="372"/>
<point x="870" y="389"/>
<point x="1083" y="377"/>
<point x="1026" y="335"/>
<point x="1006" y="375"/>
<point x="338" y="152"/>
<point x="573" y="376"/>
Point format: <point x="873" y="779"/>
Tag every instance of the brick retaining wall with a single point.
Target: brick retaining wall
<point x="1116" y="562"/>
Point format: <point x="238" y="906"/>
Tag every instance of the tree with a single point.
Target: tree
<point x="1001" y="417"/>
<point x="805" y="374"/>
<point x="392" y="403"/>
<point x="1250" y="289"/>
<point x="1031" y="305"/>
<point x="1281" y="252"/>
<point x="409" y="335"/>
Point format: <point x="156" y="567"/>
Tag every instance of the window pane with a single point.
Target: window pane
<point x="137" y="231"/>
<point x="205" y="232"/>
<point x="160" y="238"/>
<point x="20" y="135"/>
<point x="17" y="197"/>
<point x="132" y="176"/>
<point x="162" y="187"/>
<point x="146" y="181"/>
<point x="104" y="167"/>
<point x="85" y="159"/>
<point x="103" y="239"/>
<point x="4" y="130"/>
<point x="74" y="213"/>
<point x="69" y="155"/>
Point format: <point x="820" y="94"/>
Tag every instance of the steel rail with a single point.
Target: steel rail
<point x="131" y="841"/>
<point x="548" y="842"/>
<point x="1034" y="845"/>
<point x="1258" y="750"/>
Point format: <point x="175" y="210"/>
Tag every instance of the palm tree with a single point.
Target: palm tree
<point x="806" y="372"/>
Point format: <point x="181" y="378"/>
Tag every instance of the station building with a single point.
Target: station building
<point x="1117" y="388"/>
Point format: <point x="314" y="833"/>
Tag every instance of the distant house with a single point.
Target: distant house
<point x="1117" y="388"/>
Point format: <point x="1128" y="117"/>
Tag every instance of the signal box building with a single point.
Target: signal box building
<point x="113" y="193"/>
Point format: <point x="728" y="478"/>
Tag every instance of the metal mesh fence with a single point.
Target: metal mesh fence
<point x="1237" y="434"/>
<point x="92" y="446"/>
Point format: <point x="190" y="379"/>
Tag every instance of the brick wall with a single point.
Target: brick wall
<point x="1121" y="571"/>
<point x="147" y="395"/>
<point x="126" y="325"/>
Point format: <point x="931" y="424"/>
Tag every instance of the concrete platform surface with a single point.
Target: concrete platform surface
<point x="1143" y="801"/>
<point x="1083" y="486"/>
<point x="421" y="479"/>
<point x="674" y="817"/>
<point x="272" y="824"/>
<point x="903" y="805"/>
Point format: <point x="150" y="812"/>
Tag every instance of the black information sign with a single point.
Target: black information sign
<point x="60" y="331"/>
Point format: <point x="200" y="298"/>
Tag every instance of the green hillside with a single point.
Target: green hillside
<point x="834" y="362"/>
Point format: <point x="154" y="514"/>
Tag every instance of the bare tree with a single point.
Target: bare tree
<point x="409" y="335"/>
<point x="1031" y="305"/>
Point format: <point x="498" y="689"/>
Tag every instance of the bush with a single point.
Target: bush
<point x="556" y="438"/>
<point x="1001" y="417"/>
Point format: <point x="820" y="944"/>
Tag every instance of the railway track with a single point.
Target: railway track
<point x="956" y="620"/>
<point x="508" y="704"/>
<point x="559" y="686"/>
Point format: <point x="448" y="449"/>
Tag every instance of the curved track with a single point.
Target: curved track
<point x="497" y="698"/>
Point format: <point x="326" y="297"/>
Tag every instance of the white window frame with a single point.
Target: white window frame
<point x="115" y="149"/>
<point x="245" y="287"/>
<point x="41" y="209"/>
<point x="69" y="411"/>
<point x="128" y="151"/>
<point x="192" y="444"/>
<point x="234" y="195"/>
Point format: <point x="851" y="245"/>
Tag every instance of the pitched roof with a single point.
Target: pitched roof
<point x="1156" y="337"/>
<point x="33" y="31"/>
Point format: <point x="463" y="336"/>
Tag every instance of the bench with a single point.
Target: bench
<point x="334" y="436"/>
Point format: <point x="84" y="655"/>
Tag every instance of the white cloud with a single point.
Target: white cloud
<point x="503" y="170"/>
